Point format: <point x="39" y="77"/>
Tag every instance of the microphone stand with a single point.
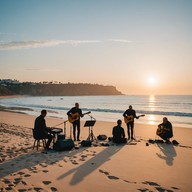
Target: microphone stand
<point x="65" y="128"/>
<point x="92" y="118"/>
<point x="91" y="136"/>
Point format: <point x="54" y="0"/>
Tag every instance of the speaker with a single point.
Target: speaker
<point x="64" y="145"/>
<point x="86" y="143"/>
<point x="102" y="137"/>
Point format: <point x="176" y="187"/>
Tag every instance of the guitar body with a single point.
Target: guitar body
<point x="130" y="118"/>
<point x="75" y="117"/>
<point x="160" y="131"/>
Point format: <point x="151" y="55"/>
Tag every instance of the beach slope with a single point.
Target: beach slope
<point x="136" y="166"/>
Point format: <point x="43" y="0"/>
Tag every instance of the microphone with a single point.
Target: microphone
<point x="92" y="117"/>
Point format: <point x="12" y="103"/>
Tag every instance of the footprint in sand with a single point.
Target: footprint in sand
<point x="113" y="177"/>
<point x="46" y="182"/>
<point x="17" y="180"/>
<point x="108" y="175"/>
<point x="83" y="156"/>
<point x="74" y="162"/>
<point x="23" y="182"/>
<point x="130" y="182"/>
<point x="6" y="181"/>
<point x="21" y="173"/>
<point x="105" y="172"/>
<point x="22" y="190"/>
<point x="38" y="189"/>
<point x="157" y="186"/>
<point x="8" y="188"/>
<point x="27" y="175"/>
<point x="43" y="165"/>
<point x="163" y="189"/>
<point x="45" y="171"/>
<point x="53" y="189"/>
<point x="151" y="183"/>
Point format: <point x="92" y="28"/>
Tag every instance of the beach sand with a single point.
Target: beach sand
<point x="135" y="166"/>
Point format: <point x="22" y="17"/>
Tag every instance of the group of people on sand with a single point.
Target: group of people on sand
<point x="164" y="129"/>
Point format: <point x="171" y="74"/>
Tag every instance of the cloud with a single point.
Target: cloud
<point x="39" y="69"/>
<point x="15" y="45"/>
<point x="42" y="43"/>
<point x="121" y="40"/>
<point x="34" y="69"/>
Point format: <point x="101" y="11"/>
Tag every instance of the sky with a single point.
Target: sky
<point x="139" y="46"/>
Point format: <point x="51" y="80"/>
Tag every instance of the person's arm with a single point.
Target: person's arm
<point x="134" y="115"/>
<point x="80" y="113"/>
<point x="69" y="112"/>
<point x="44" y="126"/>
<point x="125" y="114"/>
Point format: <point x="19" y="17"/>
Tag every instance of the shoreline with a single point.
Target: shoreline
<point x="182" y="123"/>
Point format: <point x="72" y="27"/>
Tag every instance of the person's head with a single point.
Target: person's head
<point x="119" y="122"/>
<point x="77" y="105"/>
<point x="130" y="107"/>
<point x="165" y="119"/>
<point x="43" y="112"/>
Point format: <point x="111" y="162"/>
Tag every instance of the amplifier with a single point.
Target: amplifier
<point x="86" y="143"/>
<point x="64" y="144"/>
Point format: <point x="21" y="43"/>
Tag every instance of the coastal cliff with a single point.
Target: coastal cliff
<point x="68" y="89"/>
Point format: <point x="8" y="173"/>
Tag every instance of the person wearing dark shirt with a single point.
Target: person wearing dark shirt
<point x="41" y="130"/>
<point x="118" y="133"/>
<point x="75" y="113"/>
<point x="165" y="130"/>
<point x="130" y="115"/>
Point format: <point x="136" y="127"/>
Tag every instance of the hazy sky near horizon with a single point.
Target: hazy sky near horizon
<point x="139" y="46"/>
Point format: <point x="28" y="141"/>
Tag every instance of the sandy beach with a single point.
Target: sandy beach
<point x="135" y="166"/>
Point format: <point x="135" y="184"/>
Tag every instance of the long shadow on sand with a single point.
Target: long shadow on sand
<point x="167" y="153"/>
<point x="30" y="160"/>
<point x="89" y="166"/>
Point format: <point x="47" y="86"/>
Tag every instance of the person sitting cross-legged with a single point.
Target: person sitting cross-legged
<point x="165" y="130"/>
<point x="118" y="133"/>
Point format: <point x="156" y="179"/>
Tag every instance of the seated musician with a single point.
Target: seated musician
<point x="41" y="130"/>
<point x="165" y="130"/>
<point x="118" y="133"/>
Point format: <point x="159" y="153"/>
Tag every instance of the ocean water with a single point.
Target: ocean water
<point x="177" y="108"/>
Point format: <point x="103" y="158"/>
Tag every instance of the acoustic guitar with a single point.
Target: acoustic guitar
<point x="130" y="118"/>
<point x="75" y="117"/>
<point x="162" y="130"/>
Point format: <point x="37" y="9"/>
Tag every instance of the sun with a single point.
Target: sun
<point x="152" y="81"/>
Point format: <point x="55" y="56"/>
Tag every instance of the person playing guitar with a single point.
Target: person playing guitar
<point x="74" y="115"/>
<point x="129" y="116"/>
<point x="165" y="130"/>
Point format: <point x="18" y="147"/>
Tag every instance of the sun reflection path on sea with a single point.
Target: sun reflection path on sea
<point x="152" y="102"/>
<point x="151" y="117"/>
